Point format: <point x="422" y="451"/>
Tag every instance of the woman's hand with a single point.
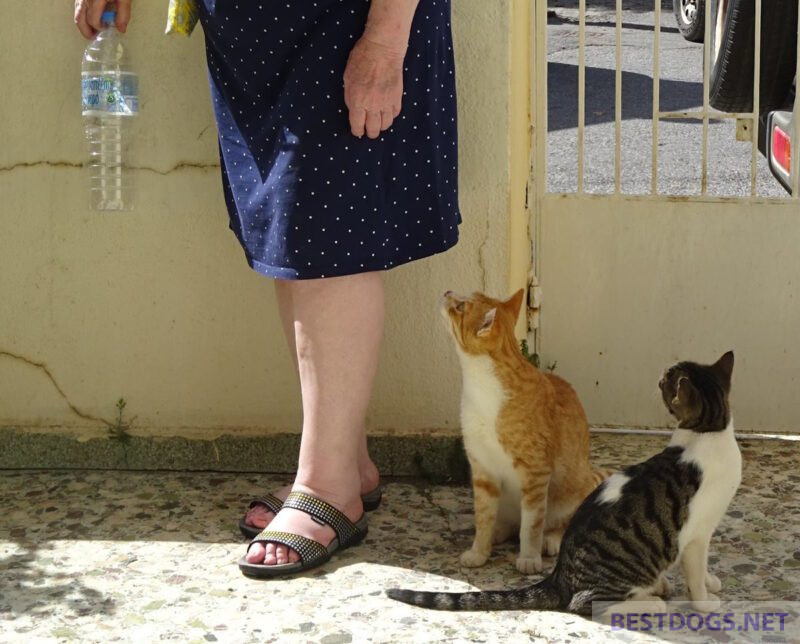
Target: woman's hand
<point x="373" y="86"/>
<point x="88" y="13"/>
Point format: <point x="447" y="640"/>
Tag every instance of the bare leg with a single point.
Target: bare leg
<point x="259" y="515"/>
<point x="338" y="325"/>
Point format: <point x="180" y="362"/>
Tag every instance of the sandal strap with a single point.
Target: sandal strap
<point x="273" y="503"/>
<point x="308" y="549"/>
<point x="344" y="528"/>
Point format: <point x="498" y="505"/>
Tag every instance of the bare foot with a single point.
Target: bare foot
<point x="260" y="516"/>
<point x="300" y="523"/>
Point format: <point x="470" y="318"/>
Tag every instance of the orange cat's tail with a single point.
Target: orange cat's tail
<point x="600" y="475"/>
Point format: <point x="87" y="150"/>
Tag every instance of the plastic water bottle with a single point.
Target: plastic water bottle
<point x="110" y="97"/>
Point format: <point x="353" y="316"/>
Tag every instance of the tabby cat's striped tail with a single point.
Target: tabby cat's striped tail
<point x="541" y="596"/>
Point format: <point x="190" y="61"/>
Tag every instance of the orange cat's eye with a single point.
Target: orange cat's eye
<point x="460" y="307"/>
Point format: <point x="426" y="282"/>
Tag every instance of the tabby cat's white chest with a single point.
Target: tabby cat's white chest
<point x="482" y="398"/>
<point x="720" y="461"/>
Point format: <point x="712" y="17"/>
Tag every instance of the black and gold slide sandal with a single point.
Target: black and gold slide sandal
<point x="312" y="553"/>
<point x="371" y="501"/>
<point x="273" y="504"/>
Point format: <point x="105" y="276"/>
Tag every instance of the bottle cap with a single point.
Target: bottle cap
<point x="109" y="16"/>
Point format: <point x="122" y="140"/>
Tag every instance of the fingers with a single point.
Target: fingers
<point x="386" y="119"/>
<point x="95" y="13"/>
<point x="358" y="119"/>
<point x="81" y="20"/>
<point x="373" y="124"/>
<point x="123" y="14"/>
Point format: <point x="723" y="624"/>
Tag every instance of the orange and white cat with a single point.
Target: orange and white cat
<point x="525" y="435"/>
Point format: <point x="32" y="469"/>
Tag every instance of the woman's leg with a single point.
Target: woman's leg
<point x="338" y="325"/>
<point x="260" y="516"/>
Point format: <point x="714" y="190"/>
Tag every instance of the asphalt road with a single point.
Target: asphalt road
<point x="680" y="143"/>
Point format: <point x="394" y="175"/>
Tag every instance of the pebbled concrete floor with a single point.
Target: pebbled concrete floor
<point x="97" y="556"/>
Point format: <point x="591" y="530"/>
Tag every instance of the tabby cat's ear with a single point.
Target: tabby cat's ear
<point x="685" y="392"/>
<point x="514" y="303"/>
<point x="724" y="367"/>
<point x="487" y="324"/>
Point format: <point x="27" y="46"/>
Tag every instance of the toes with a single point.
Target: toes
<point x="255" y="554"/>
<point x="259" y="516"/>
<point x="281" y="555"/>
<point x="271" y="554"/>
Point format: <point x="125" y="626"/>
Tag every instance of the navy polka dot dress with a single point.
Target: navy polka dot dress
<point x="306" y="198"/>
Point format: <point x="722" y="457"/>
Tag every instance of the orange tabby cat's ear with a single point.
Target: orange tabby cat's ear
<point x="488" y="323"/>
<point x="514" y="303"/>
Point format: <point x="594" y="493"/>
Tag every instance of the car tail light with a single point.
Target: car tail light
<point x="782" y="149"/>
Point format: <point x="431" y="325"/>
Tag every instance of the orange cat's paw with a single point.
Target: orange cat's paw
<point x="530" y="565"/>
<point x="472" y="559"/>
<point x="552" y="543"/>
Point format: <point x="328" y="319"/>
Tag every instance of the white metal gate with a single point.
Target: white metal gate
<point x="636" y="277"/>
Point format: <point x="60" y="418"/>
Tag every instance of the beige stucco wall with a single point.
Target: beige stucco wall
<point x="158" y="305"/>
<point x="631" y="287"/>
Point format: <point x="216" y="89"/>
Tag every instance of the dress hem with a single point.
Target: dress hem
<point x="375" y="264"/>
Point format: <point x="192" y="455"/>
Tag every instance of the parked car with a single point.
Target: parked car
<point x="691" y="18"/>
<point x="732" y="65"/>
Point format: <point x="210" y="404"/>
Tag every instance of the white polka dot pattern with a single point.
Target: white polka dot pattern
<point x="306" y="198"/>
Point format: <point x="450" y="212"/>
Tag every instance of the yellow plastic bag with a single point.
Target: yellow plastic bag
<point x="182" y="16"/>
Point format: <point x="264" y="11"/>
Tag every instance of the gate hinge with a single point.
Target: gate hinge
<point x="534" y="303"/>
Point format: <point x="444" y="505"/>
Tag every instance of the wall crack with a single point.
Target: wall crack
<point x="43" y="367"/>
<point x="182" y="165"/>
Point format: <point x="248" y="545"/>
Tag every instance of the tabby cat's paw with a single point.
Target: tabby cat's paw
<point x="662" y="587"/>
<point x="713" y="583"/>
<point x="530" y="565"/>
<point x="472" y="559"/>
<point x="708" y="605"/>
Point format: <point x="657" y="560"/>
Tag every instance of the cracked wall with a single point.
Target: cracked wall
<point x="158" y="305"/>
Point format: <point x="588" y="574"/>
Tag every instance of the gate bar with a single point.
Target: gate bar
<point x="618" y="100"/>
<point x="706" y="100"/>
<point x="712" y="114"/>
<point x="656" y="96"/>
<point x="794" y="168"/>
<point x="581" y="89"/>
<point x="756" y="99"/>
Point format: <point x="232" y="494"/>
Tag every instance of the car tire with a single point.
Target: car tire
<point x="692" y="27"/>
<point x="731" y="84"/>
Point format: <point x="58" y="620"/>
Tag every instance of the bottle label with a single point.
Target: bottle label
<point x="110" y="93"/>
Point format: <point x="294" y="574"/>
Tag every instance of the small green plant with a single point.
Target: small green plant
<point x="534" y="358"/>
<point x="120" y="429"/>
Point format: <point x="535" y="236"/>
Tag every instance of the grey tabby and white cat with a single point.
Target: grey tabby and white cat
<point x="641" y="521"/>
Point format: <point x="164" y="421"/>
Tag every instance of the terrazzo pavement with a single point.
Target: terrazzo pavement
<point x="105" y="556"/>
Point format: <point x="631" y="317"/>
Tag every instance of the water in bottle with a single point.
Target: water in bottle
<point x="110" y="96"/>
